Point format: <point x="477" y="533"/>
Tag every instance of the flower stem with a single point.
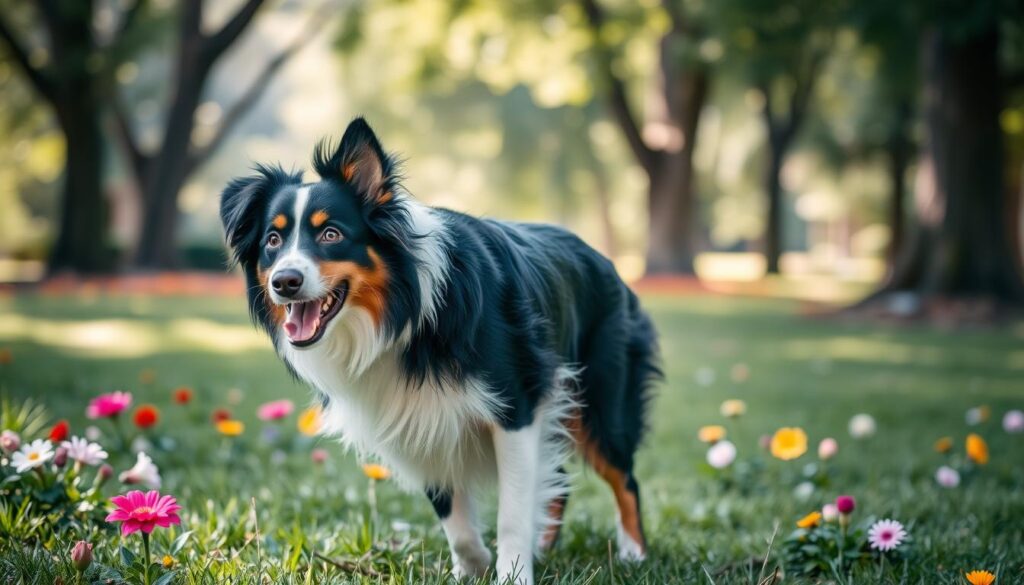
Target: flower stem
<point x="145" y="558"/>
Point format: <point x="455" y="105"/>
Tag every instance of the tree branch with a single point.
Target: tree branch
<point x="37" y="77"/>
<point x="259" y="86"/>
<point x="219" y="42"/>
<point x="617" y="90"/>
<point x="803" y="90"/>
<point x="122" y="120"/>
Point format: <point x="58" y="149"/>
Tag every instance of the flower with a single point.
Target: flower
<point x="846" y="504"/>
<point x="375" y="471"/>
<point x="220" y="414"/>
<point x="977" y="415"/>
<point x="108" y="405"/>
<point x="167" y="562"/>
<point x="830" y="513"/>
<point x="862" y="426"/>
<point x="1013" y="421"/>
<point x="711" y="433"/>
<point x="59" y="432"/>
<point x="804" y="490"/>
<point x="9" y="441"/>
<point x="721" y="454"/>
<point x="944" y="445"/>
<point x="93" y="433"/>
<point x="947" y="477"/>
<point x="977" y="449"/>
<point x="230" y="428"/>
<point x="84" y="452"/>
<point x="789" y="443"/>
<point x="105" y="472"/>
<point x="275" y="410"/>
<point x="60" y="457"/>
<point x="182" y="395"/>
<point x="980" y="578"/>
<point x="144" y="472"/>
<point x="809" y="521"/>
<point x="319" y="456"/>
<point x="886" y="535"/>
<point x="32" y="455"/>
<point x="310" y="421"/>
<point x="81" y="555"/>
<point x="144" y="511"/>
<point x="827" y="448"/>
<point x="146" y="416"/>
<point x="733" y="408"/>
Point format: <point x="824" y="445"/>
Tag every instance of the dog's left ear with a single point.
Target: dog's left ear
<point x="361" y="162"/>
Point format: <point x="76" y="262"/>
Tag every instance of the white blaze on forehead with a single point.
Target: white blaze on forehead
<point x="301" y="199"/>
<point x="294" y="258"/>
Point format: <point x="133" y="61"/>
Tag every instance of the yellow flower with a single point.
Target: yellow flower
<point x="733" y="408"/>
<point x="789" y="443"/>
<point x="809" y="521"/>
<point x="375" y="471"/>
<point x="977" y="449"/>
<point x="980" y="578"/>
<point x="711" y="433"/>
<point x="167" y="562"/>
<point x="230" y="428"/>
<point x="310" y="421"/>
<point x="944" y="445"/>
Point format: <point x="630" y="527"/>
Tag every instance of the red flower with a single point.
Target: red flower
<point x="146" y="416"/>
<point x="183" y="395"/>
<point x="59" y="432"/>
<point x="846" y="504"/>
<point x="221" y="414"/>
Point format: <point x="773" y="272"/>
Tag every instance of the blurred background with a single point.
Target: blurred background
<point x="837" y="147"/>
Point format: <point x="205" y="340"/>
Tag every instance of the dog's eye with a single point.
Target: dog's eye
<point x="274" y="240"/>
<point x="330" y="235"/>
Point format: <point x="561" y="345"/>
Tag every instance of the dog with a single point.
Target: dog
<point x="462" y="352"/>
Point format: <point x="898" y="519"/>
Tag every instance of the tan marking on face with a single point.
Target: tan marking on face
<point x="280" y="221"/>
<point x="625" y="500"/>
<point x="277" y="312"/>
<point x="367" y="287"/>
<point x="348" y="171"/>
<point x="318" y="218"/>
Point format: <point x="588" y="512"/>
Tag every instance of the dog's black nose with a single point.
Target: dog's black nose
<point x="286" y="282"/>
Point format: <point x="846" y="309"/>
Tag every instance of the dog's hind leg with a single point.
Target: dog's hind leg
<point x="456" y="509"/>
<point x="555" y="514"/>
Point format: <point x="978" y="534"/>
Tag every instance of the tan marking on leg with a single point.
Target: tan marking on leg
<point x="280" y="221"/>
<point x="318" y="218"/>
<point x="625" y="500"/>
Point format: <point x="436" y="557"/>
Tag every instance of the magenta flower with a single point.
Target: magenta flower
<point x="275" y="410"/>
<point x="108" y="405"/>
<point x="845" y="504"/>
<point x="144" y="511"/>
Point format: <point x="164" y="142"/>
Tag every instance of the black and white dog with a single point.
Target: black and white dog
<point x="459" y="351"/>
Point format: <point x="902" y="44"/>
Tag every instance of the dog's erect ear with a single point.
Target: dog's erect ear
<point x="361" y="162"/>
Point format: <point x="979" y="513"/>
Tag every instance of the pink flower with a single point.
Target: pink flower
<point x="827" y="449"/>
<point x="845" y="504"/>
<point x="144" y="511"/>
<point x="275" y="410"/>
<point x="108" y="405"/>
<point x="886" y="535"/>
<point x="319" y="456"/>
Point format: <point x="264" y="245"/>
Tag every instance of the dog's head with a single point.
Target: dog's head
<point x="316" y="252"/>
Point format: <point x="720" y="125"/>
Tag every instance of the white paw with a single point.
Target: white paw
<point x="629" y="549"/>
<point x="471" y="562"/>
<point x="514" y="572"/>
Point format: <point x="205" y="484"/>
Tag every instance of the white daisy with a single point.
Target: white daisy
<point x="84" y="452"/>
<point x="32" y="455"/>
<point x="862" y="426"/>
<point x="886" y="535"/>
<point x="145" y="472"/>
<point x="721" y="454"/>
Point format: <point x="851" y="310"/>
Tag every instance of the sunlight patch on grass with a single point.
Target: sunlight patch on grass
<point x="202" y="334"/>
<point x="859" y="349"/>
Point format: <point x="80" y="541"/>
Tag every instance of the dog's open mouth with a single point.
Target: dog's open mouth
<point x="306" y="320"/>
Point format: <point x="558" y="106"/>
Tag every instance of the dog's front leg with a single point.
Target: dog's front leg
<point x="470" y="558"/>
<point x="517" y="453"/>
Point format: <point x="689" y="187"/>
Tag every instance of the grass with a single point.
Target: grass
<point x="268" y="514"/>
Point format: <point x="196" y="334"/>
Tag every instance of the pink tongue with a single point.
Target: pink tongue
<point x="301" y="322"/>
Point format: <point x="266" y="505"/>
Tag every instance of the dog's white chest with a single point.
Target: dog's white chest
<point x="430" y="435"/>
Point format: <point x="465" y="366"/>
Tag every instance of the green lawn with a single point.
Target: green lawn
<point x="805" y="372"/>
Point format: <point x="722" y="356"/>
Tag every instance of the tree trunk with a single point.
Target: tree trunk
<point x="773" y="187"/>
<point x="962" y="245"/>
<point x="169" y="169"/>
<point x="82" y="243"/>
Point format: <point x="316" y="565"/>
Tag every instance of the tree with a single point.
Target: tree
<point x="163" y="171"/>
<point x="74" y="81"/>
